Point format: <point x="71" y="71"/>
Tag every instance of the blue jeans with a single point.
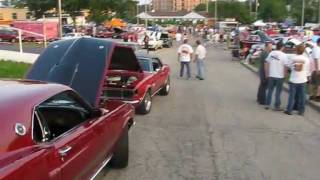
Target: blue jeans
<point x="187" y="64"/>
<point x="297" y="92"/>
<point x="278" y="84"/>
<point x="200" y="68"/>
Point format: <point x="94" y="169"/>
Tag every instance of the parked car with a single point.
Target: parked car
<point x="104" y="34"/>
<point x="166" y="39"/>
<point x="72" y="35"/>
<point x="65" y="129"/>
<point x="9" y="35"/>
<point x="154" y="41"/>
<point x="135" y="46"/>
<point x="138" y="87"/>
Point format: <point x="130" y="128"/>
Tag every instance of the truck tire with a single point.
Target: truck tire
<point x="120" y="158"/>
<point x="146" y="104"/>
<point x="166" y="88"/>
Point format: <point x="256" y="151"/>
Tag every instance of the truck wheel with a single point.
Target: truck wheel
<point x="146" y="104"/>
<point x="166" y="88"/>
<point x="120" y="158"/>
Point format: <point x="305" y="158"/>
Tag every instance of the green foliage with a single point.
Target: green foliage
<point x="228" y="9"/>
<point x="273" y="10"/>
<point x="37" y="7"/>
<point x="10" y="69"/>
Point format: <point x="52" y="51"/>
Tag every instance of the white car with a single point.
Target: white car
<point x="154" y="40"/>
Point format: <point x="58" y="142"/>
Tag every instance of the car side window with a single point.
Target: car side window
<point x="156" y="64"/>
<point x="58" y="115"/>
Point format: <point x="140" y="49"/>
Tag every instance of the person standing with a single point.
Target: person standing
<point x="185" y="52"/>
<point x="315" y="79"/>
<point x="178" y="37"/>
<point x="200" y="55"/>
<point x="299" y="65"/>
<point x="146" y="42"/>
<point x="275" y="70"/>
<point x="261" y="96"/>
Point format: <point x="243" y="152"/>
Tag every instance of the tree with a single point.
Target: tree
<point x="36" y="7"/>
<point x="273" y="10"/>
<point x="74" y="7"/>
<point x="228" y="9"/>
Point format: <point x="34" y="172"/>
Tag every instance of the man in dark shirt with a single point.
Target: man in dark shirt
<point x="261" y="97"/>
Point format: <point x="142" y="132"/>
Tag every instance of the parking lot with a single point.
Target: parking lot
<point x="214" y="129"/>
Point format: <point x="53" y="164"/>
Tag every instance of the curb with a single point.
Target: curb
<point x="313" y="105"/>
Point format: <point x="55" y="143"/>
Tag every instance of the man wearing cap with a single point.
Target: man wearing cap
<point x="261" y="96"/>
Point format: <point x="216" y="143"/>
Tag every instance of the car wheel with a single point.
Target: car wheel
<point x="166" y="88"/>
<point x="13" y="40"/>
<point x="120" y="157"/>
<point x="146" y="104"/>
<point x="0" y="39"/>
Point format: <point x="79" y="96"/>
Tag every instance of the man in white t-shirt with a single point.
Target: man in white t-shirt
<point x="185" y="52"/>
<point x="315" y="80"/>
<point x="275" y="70"/>
<point x="300" y="70"/>
<point x="178" y="37"/>
<point x="200" y="55"/>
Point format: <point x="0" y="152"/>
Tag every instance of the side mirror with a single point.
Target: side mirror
<point x="96" y="112"/>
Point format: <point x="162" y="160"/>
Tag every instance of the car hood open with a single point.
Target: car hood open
<point x="78" y="63"/>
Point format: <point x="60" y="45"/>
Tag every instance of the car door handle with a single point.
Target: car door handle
<point x="64" y="151"/>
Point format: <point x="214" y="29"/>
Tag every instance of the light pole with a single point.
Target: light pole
<point x="146" y="10"/>
<point x="319" y="11"/>
<point x="302" y="13"/>
<point x="207" y="6"/>
<point x="216" y="10"/>
<point x="60" y="18"/>
<point x="138" y="12"/>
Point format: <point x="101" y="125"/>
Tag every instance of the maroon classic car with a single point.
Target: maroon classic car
<point x="57" y="124"/>
<point x="138" y="87"/>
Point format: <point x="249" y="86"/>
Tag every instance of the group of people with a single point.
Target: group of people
<point x="303" y="72"/>
<point x="186" y="54"/>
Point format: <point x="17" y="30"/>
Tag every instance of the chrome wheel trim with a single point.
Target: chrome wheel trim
<point x="167" y="87"/>
<point x="147" y="102"/>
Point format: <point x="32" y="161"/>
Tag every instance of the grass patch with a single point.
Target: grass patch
<point x="10" y="69"/>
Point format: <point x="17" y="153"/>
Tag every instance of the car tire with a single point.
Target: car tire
<point x="13" y="40"/>
<point x="166" y="88"/>
<point x="146" y="104"/>
<point x="120" y="158"/>
<point x="1" y="40"/>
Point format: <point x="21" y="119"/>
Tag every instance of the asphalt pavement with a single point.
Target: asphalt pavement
<point x="214" y="130"/>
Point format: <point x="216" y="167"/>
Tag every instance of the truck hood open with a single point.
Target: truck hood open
<point x="78" y="63"/>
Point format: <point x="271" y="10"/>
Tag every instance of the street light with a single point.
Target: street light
<point x="302" y="13"/>
<point x="216" y="10"/>
<point x="60" y="18"/>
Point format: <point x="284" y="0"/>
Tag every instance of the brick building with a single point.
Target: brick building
<point x="176" y="5"/>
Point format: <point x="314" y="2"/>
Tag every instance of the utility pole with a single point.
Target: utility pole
<point x="60" y="18"/>
<point x="256" y="10"/>
<point x="146" y="10"/>
<point x="216" y="10"/>
<point x="250" y="7"/>
<point x="302" y="13"/>
<point x="207" y="6"/>
<point x="138" y="13"/>
<point x="319" y="11"/>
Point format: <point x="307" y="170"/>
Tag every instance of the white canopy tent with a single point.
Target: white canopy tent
<point x="189" y="16"/>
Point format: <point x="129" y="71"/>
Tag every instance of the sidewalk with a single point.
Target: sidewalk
<point x="314" y="105"/>
<point x="18" y="57"/>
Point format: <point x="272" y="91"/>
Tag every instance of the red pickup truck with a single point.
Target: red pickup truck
<point x="57" y="124"/>
<point x="139" y="87"/>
